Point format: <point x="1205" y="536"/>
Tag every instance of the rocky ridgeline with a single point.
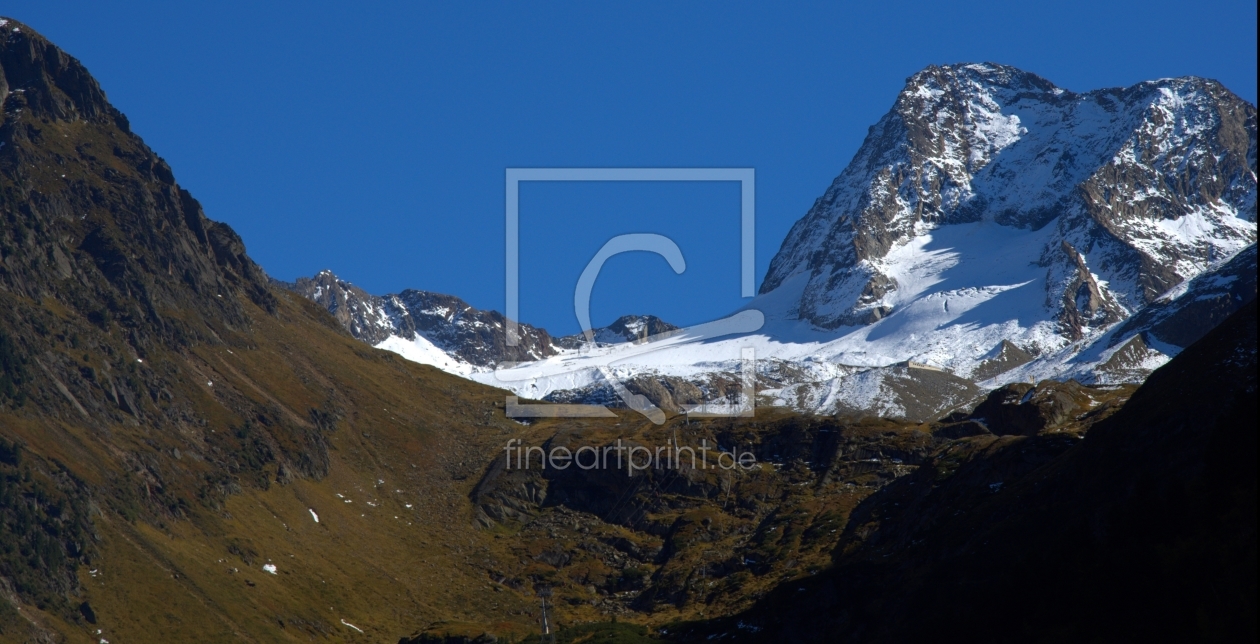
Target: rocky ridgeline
<point x="474" y="336"/>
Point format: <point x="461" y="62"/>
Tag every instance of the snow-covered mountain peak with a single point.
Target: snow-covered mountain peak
<point x="1146" y="187"/>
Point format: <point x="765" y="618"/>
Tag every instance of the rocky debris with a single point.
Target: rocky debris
<point x="507" y="494"/>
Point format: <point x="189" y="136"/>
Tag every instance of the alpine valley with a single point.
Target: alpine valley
<point x="1005" y="386"/>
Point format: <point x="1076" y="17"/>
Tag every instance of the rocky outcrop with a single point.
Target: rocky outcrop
<point x="1004" y="357"/>
<point x="100" y="213"/>
<point x="909" y="391"/>
<point x="627" y="328"/>
<point x="1021" y="409"/>
<point x="1081" y="302"/>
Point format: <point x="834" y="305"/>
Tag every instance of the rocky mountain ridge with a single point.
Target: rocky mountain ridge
<point x="178" y="439"/>
<point x="446" y="331"/>
<point x="443" y="324"/>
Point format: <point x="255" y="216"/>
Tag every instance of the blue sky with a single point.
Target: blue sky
<point x="372" y="138"/>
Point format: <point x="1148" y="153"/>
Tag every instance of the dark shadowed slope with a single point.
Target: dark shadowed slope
<point x="1143" y="531"/>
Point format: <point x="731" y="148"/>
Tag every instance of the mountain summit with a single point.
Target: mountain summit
<point x="1141" y="188"/>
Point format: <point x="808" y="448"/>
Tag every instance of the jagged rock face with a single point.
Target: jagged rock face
<point x="93" y="214"/>
<point x="359" y="312"/>
<point x="55" y="84"/>
<point x="475" y="336"/>
<point x="1146" y="187"/>
<point x="627" y="328"/>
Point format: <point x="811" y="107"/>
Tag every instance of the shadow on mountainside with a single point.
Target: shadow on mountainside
<point x="1145" y="530"/>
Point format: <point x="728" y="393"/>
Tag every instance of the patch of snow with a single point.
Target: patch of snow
<point x="421" y="350"/>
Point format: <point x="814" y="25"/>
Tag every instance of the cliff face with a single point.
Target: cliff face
<point x="94" y="216"/>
